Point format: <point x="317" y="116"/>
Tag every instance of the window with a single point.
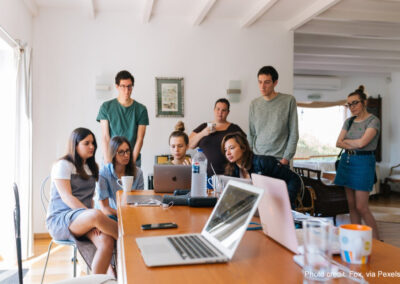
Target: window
<point x="318" y="131"/>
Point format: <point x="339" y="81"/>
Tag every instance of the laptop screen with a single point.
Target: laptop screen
<point x="230" y="217"/>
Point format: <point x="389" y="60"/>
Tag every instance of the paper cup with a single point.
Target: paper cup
<point x="211" y="126"/>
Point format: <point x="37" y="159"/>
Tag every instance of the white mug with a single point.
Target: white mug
<point x="212" y="126"/>
<point x="125" y="183"/>
<point x="355" y="243"/>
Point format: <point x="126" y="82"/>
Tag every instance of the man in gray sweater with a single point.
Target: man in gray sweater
<point x="273" y="119"/>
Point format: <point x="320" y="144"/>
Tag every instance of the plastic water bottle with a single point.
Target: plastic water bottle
<point x="199" y="174"/>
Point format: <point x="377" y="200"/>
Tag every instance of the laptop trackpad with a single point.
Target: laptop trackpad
<point x="156" y="248"/>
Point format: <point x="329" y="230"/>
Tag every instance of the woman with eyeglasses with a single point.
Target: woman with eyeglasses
<point x="356" y="170"/>
<point x="178" y="145"/>
<point x="122" y="164"/>
<point x="70" y="212"/>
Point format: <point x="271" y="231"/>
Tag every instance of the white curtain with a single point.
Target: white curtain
<point x="23" y="145"/>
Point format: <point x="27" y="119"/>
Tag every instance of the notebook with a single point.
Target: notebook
<point x="219" y="238"/>
<point x="167" y="178"/>
<point x="276" y="215"/>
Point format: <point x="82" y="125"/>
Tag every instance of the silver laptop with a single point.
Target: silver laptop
<point x="167" y="178"/>
<point x="219" y="239"/>
<point x="225" y="179"/>
<point x="276" y="215"/>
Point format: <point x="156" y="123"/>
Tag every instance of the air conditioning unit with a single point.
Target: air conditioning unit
<point x="326" y="83"/>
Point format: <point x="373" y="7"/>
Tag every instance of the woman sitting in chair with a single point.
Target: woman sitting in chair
<point x="70" y="214"/>
<point x="122" y="164"/>
<point x="242" y="163"/>
<point x="178" y="145"/>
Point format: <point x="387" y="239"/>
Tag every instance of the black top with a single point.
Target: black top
<point x="211" y="146"/>
<point x="271" y="167"/>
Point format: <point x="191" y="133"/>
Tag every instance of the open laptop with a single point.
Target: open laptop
<point x="276" y="214"/>
<point x="167" y="178"/>
<point x="225" y="179"/>
<point x="219" y="238"/>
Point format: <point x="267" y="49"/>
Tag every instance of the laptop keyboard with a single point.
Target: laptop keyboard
<point x="193" y="247"/>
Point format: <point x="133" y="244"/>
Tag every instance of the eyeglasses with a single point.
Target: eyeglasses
<point x="122" y="152"/>
<point x="126" y="86"/>
<point x="349" y="105"/>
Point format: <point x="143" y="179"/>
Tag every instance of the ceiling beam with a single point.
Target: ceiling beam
<point x="309" y="13"/>
<point x="309" y="59"/>
<point x="376" y="31"/>
<point x="346" y="53"/>
<point x="312" y="40"/>
<point x="202" y="13"/>
<point x="343" y="68"/>
<point x="32" y="7"/>
<point x="360" y="16"/>
<point x="148" y="9"/>
<point x="92" y="8"/>
<point x="340" y="73"/>
<point x="257" y="12"/>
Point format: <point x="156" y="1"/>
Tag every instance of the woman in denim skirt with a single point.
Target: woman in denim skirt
<point x="356" y="170"/>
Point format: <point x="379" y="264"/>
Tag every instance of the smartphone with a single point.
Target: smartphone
<point x="159" y="226"/>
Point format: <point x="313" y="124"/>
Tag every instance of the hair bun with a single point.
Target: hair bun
<point x="180" y="126"/>
<point x="361" y="89"/>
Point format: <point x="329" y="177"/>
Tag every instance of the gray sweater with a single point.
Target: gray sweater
<point x="273" y="126"/>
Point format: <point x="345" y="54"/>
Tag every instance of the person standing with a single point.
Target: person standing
<point x="273" y="121"/>
<point x="123" y="116"/>
<point x="209" y="138"/>
<point x="356" y="170"/>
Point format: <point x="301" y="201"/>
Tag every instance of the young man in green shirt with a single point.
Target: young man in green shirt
<point x="273" y="119"/>
<point x="123" y="116"/>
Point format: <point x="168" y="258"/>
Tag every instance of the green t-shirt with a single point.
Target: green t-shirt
<point x="124" y="121"/>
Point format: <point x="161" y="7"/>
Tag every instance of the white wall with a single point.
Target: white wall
<point x="16" y="20"/>
<point x="71" y="50"/>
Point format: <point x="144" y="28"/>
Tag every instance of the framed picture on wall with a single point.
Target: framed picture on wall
<point x="169" y="97"/>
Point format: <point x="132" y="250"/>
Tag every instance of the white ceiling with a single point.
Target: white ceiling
<point x="332" y="37"/>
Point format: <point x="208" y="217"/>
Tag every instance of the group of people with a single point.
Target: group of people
<point x="267" y="150"/>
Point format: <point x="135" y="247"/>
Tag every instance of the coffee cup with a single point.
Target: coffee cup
<point x="125" y="182"/>
<point x="355" y="243"/>
<point x="212" y="126"/>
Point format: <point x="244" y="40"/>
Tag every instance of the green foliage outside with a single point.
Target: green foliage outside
<point x="310" y="145"/>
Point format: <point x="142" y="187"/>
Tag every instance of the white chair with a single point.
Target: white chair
<point x="394" y="179"/>
<point x="45" y="203"/>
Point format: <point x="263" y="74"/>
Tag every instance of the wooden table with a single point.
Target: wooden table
<point x="258" y="259"/>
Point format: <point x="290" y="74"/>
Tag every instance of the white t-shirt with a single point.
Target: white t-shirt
<point x="63" y="169"/>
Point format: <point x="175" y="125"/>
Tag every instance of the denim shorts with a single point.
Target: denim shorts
<point x="356" y="172"/>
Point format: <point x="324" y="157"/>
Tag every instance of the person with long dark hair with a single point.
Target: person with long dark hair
<point x="122" y="164"/>
<point x="242" y="163"/>
<point x="70" y="213"/>
<point x="178" y="145"/>
<point x="209" y="138"/>
<point x="356" y="169"/>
